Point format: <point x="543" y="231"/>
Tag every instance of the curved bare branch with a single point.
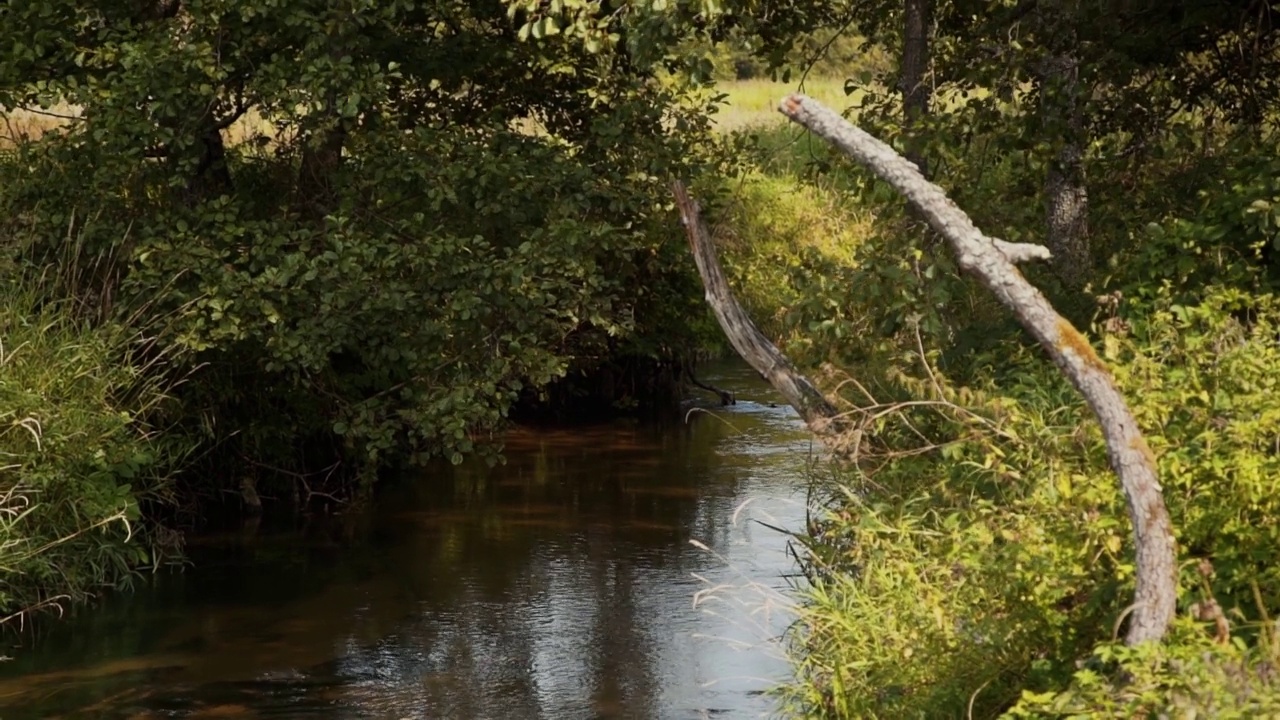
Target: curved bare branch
<point x="991" y="262"/>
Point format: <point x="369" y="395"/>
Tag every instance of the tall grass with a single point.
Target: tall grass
<point x="78" y="460"/>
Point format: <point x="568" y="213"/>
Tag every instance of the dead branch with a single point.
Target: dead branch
<point x="746" y="338"/>
<point x="726" y="397"/>
<point x="1022" y="252"/>
<point x="991" y="262"/>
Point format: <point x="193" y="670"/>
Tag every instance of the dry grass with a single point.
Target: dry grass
<point x="19" y="125"/>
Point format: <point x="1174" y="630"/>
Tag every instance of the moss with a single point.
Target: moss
<point x="1072" y="339"/>
<point x="1139" y="443"/>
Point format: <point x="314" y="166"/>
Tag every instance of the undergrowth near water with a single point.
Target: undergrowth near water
<point x="779" y="240"/>
<point x="978" y="563"/>
<point x="79" y="459"/>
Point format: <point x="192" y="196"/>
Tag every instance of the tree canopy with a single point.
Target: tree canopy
<point x="380" y="223"/>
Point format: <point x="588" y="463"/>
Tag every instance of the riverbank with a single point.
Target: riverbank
<point x="81" y="461"/>
<point x="979" y="556"/>
<point x="979" y="561"/>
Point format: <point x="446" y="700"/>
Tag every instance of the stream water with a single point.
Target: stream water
<point x="616" y="571"/>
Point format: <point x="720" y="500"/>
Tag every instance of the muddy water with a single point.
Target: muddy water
<point x="573" y="582"/>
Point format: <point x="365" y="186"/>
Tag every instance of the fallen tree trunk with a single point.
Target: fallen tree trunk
<point x="992" y="261"/>
<point x="743" y="334"/>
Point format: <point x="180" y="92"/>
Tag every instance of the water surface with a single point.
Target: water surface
<point x="573" y="582"/>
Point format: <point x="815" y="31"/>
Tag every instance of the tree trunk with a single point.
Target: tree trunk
<point x="992" y="263"/>
<point x="1065" y="194"/>
<point x="913" y="82"/>
<point x="743" y="334"/>
<point x="212" y="175"/>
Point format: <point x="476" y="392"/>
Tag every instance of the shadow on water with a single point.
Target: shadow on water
<point x="560" y="585"/>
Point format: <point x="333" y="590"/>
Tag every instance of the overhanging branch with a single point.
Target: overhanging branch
<point x="746" y="338"/>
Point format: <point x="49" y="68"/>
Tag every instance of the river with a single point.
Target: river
<point x="614" y="571"/>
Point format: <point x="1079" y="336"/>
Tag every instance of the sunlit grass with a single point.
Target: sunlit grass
<point x="754" y="103"/>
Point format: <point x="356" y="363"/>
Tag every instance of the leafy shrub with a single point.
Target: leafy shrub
<point x="374" y="228"/>
<point x="1190" y="676"/>
<point x="1214" y="220"/>
<point x="984" y="567"/>
<point x="1205" y="378"/>
<point x="982" y="551"/>
<point x="957" y="576"/>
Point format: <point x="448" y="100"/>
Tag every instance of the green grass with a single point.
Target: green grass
<point x="78" y="458"/>
<point x="781" y="227"/>
<point x="754" y="103"/>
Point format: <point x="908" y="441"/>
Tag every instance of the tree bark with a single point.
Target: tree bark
<point x="746" y="338"/>
<point x="212" y="176"/>
<point x="1065" y="194"/>
<point x="1155" y="601"/>
<point x="916" y="92"/>
<point x="321" y="161"/>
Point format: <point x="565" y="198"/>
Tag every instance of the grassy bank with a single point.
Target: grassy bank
<point x="978" y="562"/>
<point x="79" y="462"/>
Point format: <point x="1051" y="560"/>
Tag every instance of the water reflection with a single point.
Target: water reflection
<point x="560" y="585"/>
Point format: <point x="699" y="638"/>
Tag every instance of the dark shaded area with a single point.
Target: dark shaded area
<point x="627" y="386"/>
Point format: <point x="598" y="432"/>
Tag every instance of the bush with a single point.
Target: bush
<point x="977" y="559"/>
<point x="373" y="230"/>
<point x="1190" y="676"/>
<point x="981" y="552"/>
<point x="985" y="548"/>
<point x="976" y="556"/>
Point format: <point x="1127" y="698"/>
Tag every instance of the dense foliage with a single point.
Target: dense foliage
<point x="980" y="559"/>
<point x="376" y="226"/>
<point x="980" y="554"/>
<point x="358" y="234"/>
<point x="364" y="232"/>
